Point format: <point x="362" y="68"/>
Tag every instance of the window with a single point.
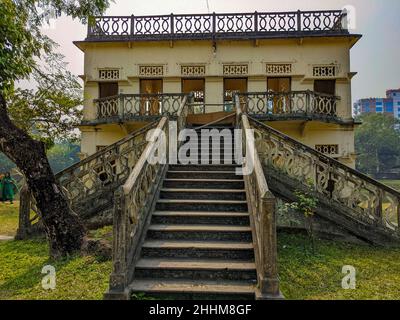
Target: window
<point x="389" y="107"/>
<point x="232" y="86"/>
<point x="398" y="103"/>
<point x="325" y="86"/>
<point x="378" y="103"/>
<point x="108" y="89"/>
<point x="379" y="109"/>
<point x="196" y="86"/>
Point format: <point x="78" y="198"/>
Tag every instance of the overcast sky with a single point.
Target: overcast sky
<point x="376" y="57"/>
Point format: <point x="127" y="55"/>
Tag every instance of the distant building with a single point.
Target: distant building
<point x="389" y="105"/>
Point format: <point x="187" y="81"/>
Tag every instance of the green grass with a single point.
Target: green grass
<point x="319" y="276"/>
<point x="395" y="184"/>
<point x="302" y="274"/>
<point x="8" y="218"/>
<point x="76" y="278"/>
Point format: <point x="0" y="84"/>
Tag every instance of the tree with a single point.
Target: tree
<point x="27" y="118"/>
<point x="377" y="143"/>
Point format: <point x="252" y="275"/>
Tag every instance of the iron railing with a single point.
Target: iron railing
<point x="292" y="103"/>
<point x="217" y="25"/>
<point x="127" y="106"/>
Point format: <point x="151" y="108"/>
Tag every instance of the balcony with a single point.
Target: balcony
<point x="290" y="105"/>
<point x="128" y="107"/>
<point x="215" y="26"/>
<point x="293" y="105"/>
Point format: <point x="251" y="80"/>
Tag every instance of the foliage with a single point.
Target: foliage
<point x="61" y="156"/>
<point x="377" y="143"/>
<point x="318" y="277"/>
<point x="53" y="108"/>
<point x="306" y="205"/>
<point x="5" y="164"/>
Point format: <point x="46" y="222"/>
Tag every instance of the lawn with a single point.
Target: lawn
<point x="319" y="276"/>
<point x="8" y="218"/>
<point x="303" y="275"/>
<point x="395" y="184"/>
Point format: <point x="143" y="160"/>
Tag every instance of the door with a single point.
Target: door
<point x="279" y="101"/>
<point x="325" y="86"/>
<point x="151" y="104"/>
<point x="231" y="87"/>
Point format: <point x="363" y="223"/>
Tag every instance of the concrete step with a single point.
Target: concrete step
<point x="226" y="175"/>
<point x="199" y="232"/>
<point x="201" y="205"/>
<point x="193" y="217"/>
<point x="204" y="183"/>
<point x="192" y="289"/>
<point x="177" y="167"/>
<point x="233" y="250"/>
<point x="196" y="269"/>
<point x="211" y="194"/>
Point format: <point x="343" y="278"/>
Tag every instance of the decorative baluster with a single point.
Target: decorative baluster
<point x="299" y="21"/>
<point x="132" y="25"/>
<point x="172" y="24"/>
<point x="255" y="22"/>
<point x="121" y="109"/>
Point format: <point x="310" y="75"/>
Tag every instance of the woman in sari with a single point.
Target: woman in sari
<point x="9" y="188"/>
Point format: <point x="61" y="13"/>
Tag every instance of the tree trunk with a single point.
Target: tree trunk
<point x="65" y="232"/>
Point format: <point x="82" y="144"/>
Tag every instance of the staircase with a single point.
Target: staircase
<point x="199" y="241"/>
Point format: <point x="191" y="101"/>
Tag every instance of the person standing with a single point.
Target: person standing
<point x="9" y="187"/>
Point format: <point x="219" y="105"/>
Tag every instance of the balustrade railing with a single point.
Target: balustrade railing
<point x="130" y="106"/>
<point x="133" y="204"/>
<point x="215" y="25"/>
<point x="289" y="104"/>
<point x="262" y="205"/>
<point x="89" y="185"/>
<point x="366" y="199"/>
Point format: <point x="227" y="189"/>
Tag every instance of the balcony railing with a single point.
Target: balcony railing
<point x="301" y="104"/>
<point x="218" y="26"/>
<point x="264" y="105"/>
<point x="124" y="107"/>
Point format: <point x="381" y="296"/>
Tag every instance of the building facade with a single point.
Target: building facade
<point x="293" y="70"/>
<point x="389" y="105"/>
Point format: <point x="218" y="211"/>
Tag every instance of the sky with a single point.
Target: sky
<point x="376" y="57"/>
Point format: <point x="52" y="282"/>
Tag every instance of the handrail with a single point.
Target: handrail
<point x="366" y="199"/>
<point x="217" y="25"/>
<point x="133" y="205"/>
<point x="262" y="204"/>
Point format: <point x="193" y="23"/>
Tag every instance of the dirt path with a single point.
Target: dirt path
<point x="5" y="238"/>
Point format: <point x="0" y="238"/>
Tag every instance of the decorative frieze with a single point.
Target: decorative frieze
<point x="328" y="149"/>
<point x="193" y="71"/>
<point x="279" y="68"/>
<point x="109" y="74"/>
<point x="151" y="71"/>
<point x="236" y="69"/>
<point x="324" y="71"/>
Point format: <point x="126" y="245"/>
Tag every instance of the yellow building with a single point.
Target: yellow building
<point x="292" y="70"/>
